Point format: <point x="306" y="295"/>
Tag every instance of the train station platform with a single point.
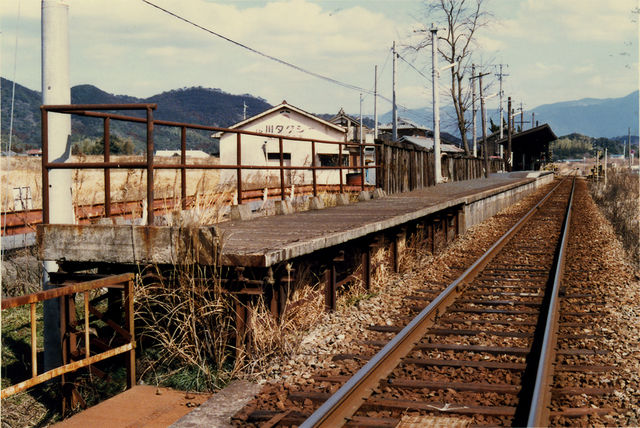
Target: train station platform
<point x="267" y="241"/>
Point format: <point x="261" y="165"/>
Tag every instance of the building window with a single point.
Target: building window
<point x="332" y="160"/>
<point x="276" y="156"/>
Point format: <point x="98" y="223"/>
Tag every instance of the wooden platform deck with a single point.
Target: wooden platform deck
<point x="266" y="241"/>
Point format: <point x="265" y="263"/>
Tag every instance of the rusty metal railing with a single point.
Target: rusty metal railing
<point x="101" y="111"/>
<point x="124" y="281"/>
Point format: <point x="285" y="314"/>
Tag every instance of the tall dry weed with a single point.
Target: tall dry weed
<point x="619" y="200"/>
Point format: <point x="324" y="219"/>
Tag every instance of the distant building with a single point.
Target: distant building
<point x="427" y="143"/>
<point x="405" y="127"/>
<point x="288" y="121"/>
<point x="357" y="133"/>
<point x="34" y="152"/>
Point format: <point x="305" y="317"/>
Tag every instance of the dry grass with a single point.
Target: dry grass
<point x="619" y="201"/>
<point x="126" y="184"/>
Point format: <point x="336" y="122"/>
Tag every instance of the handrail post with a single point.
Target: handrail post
<point x="107" y="171"/>
<point x="239" y="164"/>
<point x="129" y="326"/>
<point x="45" y="169"/>
<point x="34" y="342"/>
<point x="183" y="170"/>
<point x="340" y="167"/>
<point x="149" y="166"/>
<point x="281" y="148"/>
<point x="87" y="352"/>
<point x="313" y="168"/>
<point x="362" y="165"/>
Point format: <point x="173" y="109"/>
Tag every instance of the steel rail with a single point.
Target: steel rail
<point x="347" y="400"/>
<point x="538" y="414"/>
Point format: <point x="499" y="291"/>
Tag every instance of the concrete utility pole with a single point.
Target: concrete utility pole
<point x="484" y="130"/>
<point x="55" y="90"/>
<point x="521" y="118"/>
<point x="473" y="109"/>
<point x="509" y="159"/>
<point x="375" y="103"/>
<point x="435" y="73"/>
<point x="394" y="115"/>
<point x="360" y="118"/>
<point x="500" y="76"/>
<point x="244" y="111"/>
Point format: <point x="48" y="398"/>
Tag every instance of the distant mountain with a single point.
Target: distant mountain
<point x="594" y="117"/>
<point x="589" y="116"/>
<point x="204" y="106"/>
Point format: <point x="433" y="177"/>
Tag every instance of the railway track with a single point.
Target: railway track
<point x="485" y="351"/>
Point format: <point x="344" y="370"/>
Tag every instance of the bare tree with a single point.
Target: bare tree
<point x="461" y="19"/>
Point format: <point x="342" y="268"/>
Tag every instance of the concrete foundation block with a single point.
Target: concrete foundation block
<point x="316" y="203"/>
<point x="364" y="196"/>
<point x="283" y="207"/>
<point x="342" y="199"/>
<point x="240" y="212"/>
<point x="378" y="193"/>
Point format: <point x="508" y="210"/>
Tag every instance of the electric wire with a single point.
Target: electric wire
<point x="271" y="57"/>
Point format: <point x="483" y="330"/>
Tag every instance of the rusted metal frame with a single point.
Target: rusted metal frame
<point x="45" y="161"/>
<point x="68" y="108"/>
<point x="87" y="352"/>
<point x="340" y="164"/>
<point x="149" y="166"/>
<point x="281" y="149"/>
<point x="34" y="348"/>
<point x="362" y="171"/>
<point x="130" y="359"/>
<point x="313" y="166"/>
<point x="11" y="390"/>
<point x="538" y="414"/>
<point x="183" y="171"/>
<point x="238" y="167"/>
<point x="107" y="171"/>
<point x="81" y="287"/>
<point x="346" y="401"/>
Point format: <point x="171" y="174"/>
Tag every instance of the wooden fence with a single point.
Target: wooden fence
<point x="405" y="167"/>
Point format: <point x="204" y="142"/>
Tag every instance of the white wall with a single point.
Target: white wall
<point x="285" y="122"/>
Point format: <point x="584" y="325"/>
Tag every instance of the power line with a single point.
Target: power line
<point x="278" y="60"/>
<point x="412" y="66"/>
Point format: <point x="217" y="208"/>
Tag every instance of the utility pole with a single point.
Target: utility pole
<point x="473" y="109"/>
<point x="521" y="118"/>
<point x="375" y="103"/>
<point x="484" y="130"/>
<point x="244" y="111"/>
<point x="509" y="153"/>
<point x="55" y="90"/>
<point x="500" y="76"/>
<point x="435" y="73"/>
<point x="394" y="116"/>
<point x="533" y="119"/>
<point x="360" y="118"/>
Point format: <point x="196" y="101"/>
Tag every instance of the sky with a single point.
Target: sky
<point x="553" y="50"/>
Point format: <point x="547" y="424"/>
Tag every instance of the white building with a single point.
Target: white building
<point x="288" y="121"/>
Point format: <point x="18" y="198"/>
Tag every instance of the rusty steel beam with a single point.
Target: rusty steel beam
<point x="348" y="399"/>
<point x="107" y="171"/>
<point x="81" y="287"/>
